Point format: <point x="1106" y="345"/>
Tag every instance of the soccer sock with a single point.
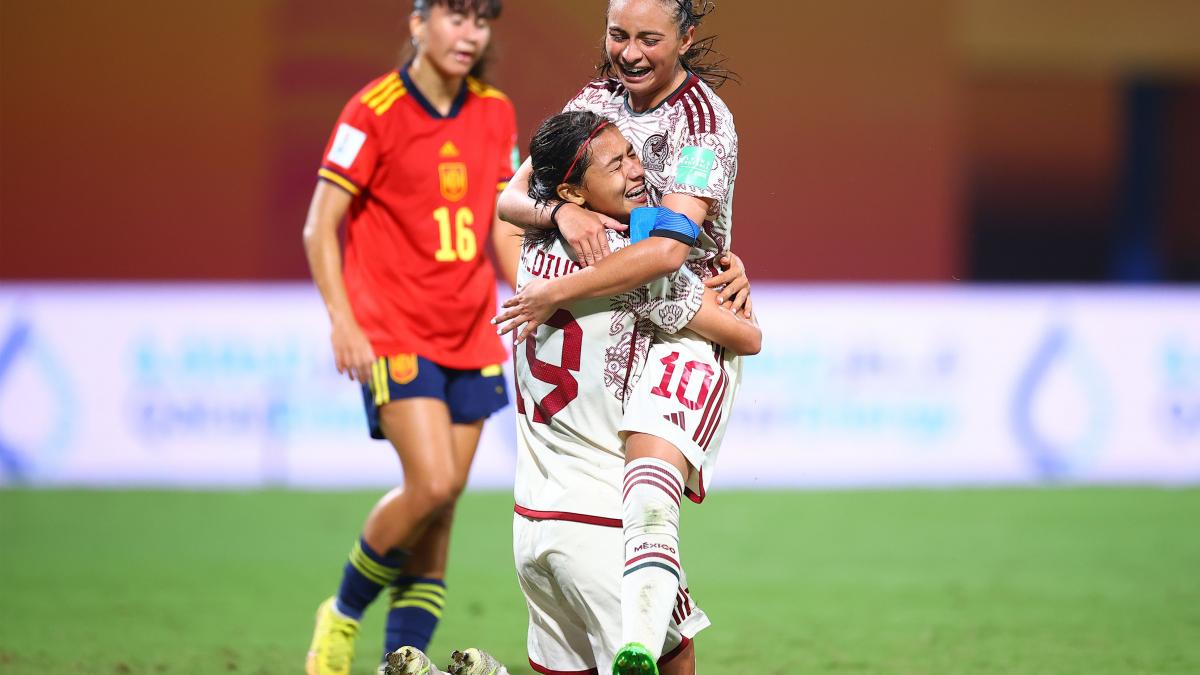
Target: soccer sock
<point x="650" y="509"/>
<point x="417" y="604"/>
<point x="365" y="574"/>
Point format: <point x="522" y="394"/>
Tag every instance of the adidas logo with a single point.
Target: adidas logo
<point x="448" y="150"/>
<point x="676" y="419"/>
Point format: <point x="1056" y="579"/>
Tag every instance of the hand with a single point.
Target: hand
<point x="352" y="352"/>
<point x="732" y="285"/>
<point x="584" y="231"/>
<point x="531" y="306"/>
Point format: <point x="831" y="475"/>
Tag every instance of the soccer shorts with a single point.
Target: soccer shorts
<point x="685" y="396"/>
<point x="469" y="394"/>
<point x="571" y="576"/>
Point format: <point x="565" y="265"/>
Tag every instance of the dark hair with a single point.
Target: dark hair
<point x="553" y="149"/>
<point x="701" y="58"/>
<point x="485" y="9"/>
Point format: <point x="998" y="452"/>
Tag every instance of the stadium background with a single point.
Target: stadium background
<point x="899" y="161"/>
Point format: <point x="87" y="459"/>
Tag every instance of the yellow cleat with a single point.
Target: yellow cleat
<point x="332" y="647"/>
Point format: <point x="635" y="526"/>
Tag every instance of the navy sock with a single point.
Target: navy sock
<point x="417" y="604"/>
<point x="365" y="574"/>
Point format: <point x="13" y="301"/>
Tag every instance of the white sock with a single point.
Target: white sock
<point x="650" y="509"/>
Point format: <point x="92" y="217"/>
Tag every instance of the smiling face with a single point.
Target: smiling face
<point x="644" y="46"/>
<point x="450" y="41"/>
<point x="614" y="183"/>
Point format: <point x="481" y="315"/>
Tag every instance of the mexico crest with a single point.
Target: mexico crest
<point x="453" y="180"/>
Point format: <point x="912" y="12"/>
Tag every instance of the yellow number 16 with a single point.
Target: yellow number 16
<point x="459" y="245"/>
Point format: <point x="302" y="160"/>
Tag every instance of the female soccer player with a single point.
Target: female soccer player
<point x="657" y="94"/>
<point x="414" y="162"/>
<point x="574" y="380"/>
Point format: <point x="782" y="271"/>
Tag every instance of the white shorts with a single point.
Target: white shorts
<point x="571" y="576"/>
<point x="685" y="396"/>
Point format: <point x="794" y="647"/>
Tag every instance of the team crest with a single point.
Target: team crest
<point x="403" y="368"/>
<point x="654" y="153"/>
<point x="453" y="180"/>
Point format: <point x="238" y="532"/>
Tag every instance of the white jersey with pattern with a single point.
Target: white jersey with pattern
<point x="573" y="380"/>
<point x="687" y="144"/>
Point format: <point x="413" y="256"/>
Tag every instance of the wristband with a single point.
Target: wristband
<point x="554" y="213"/>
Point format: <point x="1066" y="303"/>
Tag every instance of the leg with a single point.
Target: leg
<point x="683" y="663"/>
<point x="419" y="594"/>
<point x="655" y="472"/>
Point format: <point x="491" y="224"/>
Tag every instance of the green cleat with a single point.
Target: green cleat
<point x="409" y="661"/>
<point x="332" y="647"/>
<point x="475" y="662"/>
<point x="634" y="659"/>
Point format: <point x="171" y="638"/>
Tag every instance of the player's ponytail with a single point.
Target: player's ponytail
<point x="701" y="58"/>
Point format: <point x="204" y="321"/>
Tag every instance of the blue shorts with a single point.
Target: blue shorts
<point x="469" y="394"/>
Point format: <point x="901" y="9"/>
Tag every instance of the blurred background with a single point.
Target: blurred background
<point x="898" y="160"/>
<point x="973" y="228"/>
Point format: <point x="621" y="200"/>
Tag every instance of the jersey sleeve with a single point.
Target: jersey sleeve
<point x="704" y="164"/>
<point x="592" y="98"/>
<point x="674" y="300"/>
<point x="354" y="147"/>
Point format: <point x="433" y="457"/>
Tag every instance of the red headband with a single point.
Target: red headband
<point x="583" y="147"/>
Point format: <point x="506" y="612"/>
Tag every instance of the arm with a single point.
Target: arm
<point x="741" y="335"/>
<point x="583" y="229"/>
<point x="506" y="241"/>
<point x="352" y="351"/>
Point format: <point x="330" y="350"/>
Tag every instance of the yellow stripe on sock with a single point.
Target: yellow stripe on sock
<point x="368" y="566"/>
<point x="421" y="604"/>
<point x="380" y="574"/>
<point x="439" y="600"/>
<point x="432" y="588"/>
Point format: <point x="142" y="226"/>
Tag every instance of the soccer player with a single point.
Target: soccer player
<point x="659" y="92"/>
<point x="575" y="381"/>
<point x="414" y="164"/>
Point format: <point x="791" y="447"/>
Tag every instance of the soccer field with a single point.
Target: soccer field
<point x="988" y="581"/>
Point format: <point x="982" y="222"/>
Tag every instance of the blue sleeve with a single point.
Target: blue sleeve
<point x="675" y="226"/>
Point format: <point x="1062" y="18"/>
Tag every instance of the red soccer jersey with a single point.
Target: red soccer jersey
<point x="424" y="191"/>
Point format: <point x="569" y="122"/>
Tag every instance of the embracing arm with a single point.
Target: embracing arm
<point x="729" y="329"/>
<point x="351" y="350"/>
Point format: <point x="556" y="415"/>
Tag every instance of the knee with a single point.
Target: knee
<point x="438" y="496"/>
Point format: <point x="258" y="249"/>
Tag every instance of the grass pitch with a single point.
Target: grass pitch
<point x="982" y="581"/>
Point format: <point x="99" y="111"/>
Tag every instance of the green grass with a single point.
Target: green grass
<point x="989" y="581"/>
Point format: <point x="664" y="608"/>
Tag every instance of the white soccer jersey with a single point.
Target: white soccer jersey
<point x="573" y="378"/>
<point x="687" y="144"/>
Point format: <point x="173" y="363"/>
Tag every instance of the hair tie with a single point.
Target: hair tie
<point x="583" y="147"/>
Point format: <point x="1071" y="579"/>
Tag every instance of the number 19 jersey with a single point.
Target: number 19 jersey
<point x="574" y="377"/>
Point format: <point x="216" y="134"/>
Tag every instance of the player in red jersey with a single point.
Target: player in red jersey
<point x="414" y="165"/>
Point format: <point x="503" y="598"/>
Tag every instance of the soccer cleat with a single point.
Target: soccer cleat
<point x="332" y="647"/>
<point x="634" y="659"/>
<point x="409" y="661"/>
<point x="475" y="662"/>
